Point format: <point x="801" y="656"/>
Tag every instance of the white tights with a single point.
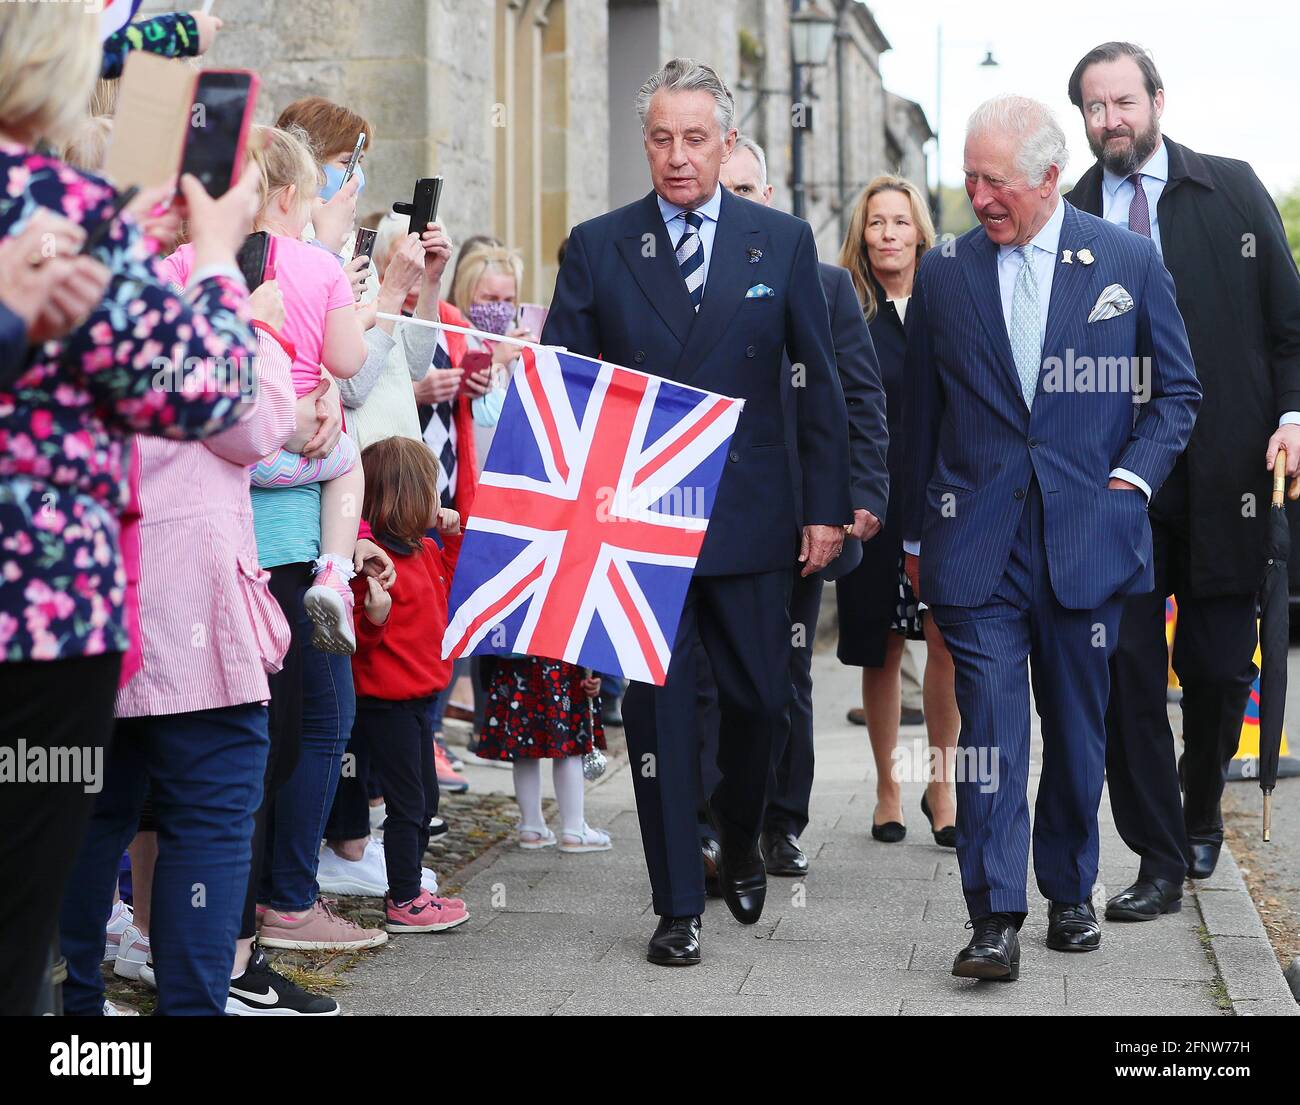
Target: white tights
<point x="566" y="775"/>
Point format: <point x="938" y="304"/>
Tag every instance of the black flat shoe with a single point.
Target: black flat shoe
<point x="782" y="855"/>
<point x="1145" y="900"/>
<point x="1072" y="927"/>
<point x="945" y="837"/>
<point x="993" y="952"/>
<point x="891" y="832"/>
<point x="676" y="942"/>
<point x="709" y="851"/>
<point x="1205" y="857"/>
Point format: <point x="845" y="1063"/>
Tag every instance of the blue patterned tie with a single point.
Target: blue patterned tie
<point x="690" y="257"/>
<point x="1026" y="341"/>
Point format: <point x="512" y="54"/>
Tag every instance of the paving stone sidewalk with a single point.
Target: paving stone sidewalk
<point x="872" y="929"/>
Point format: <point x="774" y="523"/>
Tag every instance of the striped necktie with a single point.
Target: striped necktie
<point x="690" y="257"/>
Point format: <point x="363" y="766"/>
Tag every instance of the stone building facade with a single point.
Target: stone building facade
<point x="525" y="107"/>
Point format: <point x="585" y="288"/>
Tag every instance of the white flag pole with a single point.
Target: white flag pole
<point x="483" y="334"/>
<point x="486" y="336"/>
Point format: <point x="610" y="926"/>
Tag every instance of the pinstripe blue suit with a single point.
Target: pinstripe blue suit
<point x="1024" y="551"/>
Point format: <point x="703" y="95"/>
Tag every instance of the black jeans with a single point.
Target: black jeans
<point x="52" y="704"/>
<point x="400" y="740"/>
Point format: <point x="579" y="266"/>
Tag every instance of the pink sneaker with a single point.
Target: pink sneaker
<point x="425" y="913"/>
<point x="328" y="602"/>
<point x="318" y="929"/>
<point x="448" y="781"/>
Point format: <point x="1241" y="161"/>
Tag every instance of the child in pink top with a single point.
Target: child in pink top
<point x="322" y="326"/>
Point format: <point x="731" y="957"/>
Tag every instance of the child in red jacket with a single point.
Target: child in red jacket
<point x="398" y="667"/>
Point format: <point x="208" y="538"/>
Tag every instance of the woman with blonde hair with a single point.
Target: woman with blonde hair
<point x="889" y="232"/>
<point x="65" y="419"/>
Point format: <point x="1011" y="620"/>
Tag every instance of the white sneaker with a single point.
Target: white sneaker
<point x="111" y="1010"/>
<point x="147" y="976"/>
<point x="132" y="953"/>
<point x="586" y="839"/>
<point x="118" y="921"/>
<point x="428" y="880"/>
<point x="377" y="815"/>
<point x="366" y="877"/>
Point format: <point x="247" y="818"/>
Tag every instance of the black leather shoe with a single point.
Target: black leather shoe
<point x="743" y="880"/>
<point x="891" y="832"/>
<point x="993" y="951"/>
<point x="676" y="942"/>
<point x="783" y="856"/>
<point x="1072" y="927"/>
<point x="910" y="717"/>
<point x="945" y="837"/>
<point x="1145" y="900"/>
<point x="710" y="849"/>
<point x="1205" y="857"/>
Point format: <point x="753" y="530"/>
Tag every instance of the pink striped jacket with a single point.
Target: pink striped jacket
<point x="209" y="628"/>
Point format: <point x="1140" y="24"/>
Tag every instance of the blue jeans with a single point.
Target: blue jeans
<point x="205" y="772"/>
<point x="299" y="809"/>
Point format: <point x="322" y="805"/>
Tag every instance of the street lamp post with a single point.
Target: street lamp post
<point x="989" y="62"/>
<point x="811" y="31"/>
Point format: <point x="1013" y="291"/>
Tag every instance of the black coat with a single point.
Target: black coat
<point x="868" y="596"/>
<point x="864" y="398"/>
<point x="1239" y="294"/>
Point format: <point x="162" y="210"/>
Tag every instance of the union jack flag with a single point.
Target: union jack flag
<point x="589" y="516"/>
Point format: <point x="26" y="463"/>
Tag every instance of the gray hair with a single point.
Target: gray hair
<point x="744" y="142"/>
<point x="689" y="75"/>
<point x="1042" y="141"/>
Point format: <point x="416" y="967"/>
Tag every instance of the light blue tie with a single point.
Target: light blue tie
<point x="1026" y="343"/>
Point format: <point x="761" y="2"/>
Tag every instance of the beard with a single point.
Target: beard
<point x="1125" y="162"/>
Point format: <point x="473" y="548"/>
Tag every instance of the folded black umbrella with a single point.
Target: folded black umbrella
<point x="1274" y="640"/>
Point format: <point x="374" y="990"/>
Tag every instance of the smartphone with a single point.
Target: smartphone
<point x="532" y="317"/>
<point x="251" y="258"/>
<point x="365" y="242"/>
<point x="355" y="158"/>
<point x="423" y="207"/>
<point x="224" y="100"/>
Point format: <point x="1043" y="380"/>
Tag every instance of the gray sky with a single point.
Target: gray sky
<point x="1231" y="69"/>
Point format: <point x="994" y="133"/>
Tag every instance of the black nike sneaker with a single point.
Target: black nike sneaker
<point x="260" y="992"/>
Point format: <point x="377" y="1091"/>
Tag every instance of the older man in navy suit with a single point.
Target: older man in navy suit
<point x="1050" y="390"/>
<point x="695" y="285"/>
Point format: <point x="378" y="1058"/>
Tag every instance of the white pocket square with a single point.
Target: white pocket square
<point x="1114" y="300"/>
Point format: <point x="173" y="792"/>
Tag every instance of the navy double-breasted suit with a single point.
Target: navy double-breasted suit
<point x="620" y="296"/>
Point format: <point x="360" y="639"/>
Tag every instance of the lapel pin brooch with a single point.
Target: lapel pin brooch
<point x="755" y="255"/>
<point x="1085" y="257"/>
<point x="1067" y="258"/>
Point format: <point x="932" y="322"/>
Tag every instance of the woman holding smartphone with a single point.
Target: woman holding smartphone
<point x="64" y="421"/>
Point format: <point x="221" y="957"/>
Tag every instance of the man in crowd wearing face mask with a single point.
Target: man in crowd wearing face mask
<point x="1222" y="241"/>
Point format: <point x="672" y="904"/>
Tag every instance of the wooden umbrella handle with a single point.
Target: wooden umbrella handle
<point x="1279" y="479"/>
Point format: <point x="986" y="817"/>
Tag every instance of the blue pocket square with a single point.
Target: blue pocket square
<point x="759" y="291"/>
